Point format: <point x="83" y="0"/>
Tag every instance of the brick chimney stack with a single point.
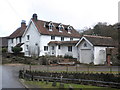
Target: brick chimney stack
<point x="34" y="16"/>
<point x="23" y="23"/>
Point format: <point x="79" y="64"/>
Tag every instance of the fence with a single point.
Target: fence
<point x="77" y="78"/>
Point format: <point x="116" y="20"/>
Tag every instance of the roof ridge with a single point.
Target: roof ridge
<point x="96" y="36"/>
<point x="53" y="22"/>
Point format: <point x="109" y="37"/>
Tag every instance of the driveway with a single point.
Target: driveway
<point x="10" y="77"/>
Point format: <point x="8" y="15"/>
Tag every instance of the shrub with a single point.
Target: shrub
<point x="61" y="86"/>
<point x="4" y="50"/>
<point x="16" y="50"/>
<point x="68" y="57"/>
<point x="54" y="84"/>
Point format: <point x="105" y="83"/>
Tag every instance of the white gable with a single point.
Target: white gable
<point x="33" y="25"/>
<point x="83" y="38"/>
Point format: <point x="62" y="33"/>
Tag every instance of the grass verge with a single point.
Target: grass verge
<point x="43" y="84"/>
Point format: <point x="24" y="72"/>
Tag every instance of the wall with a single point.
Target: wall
<point x="34" y="38"/>
<point x="15" y="42"/>
<point x="98" y="58"/>
<point x="64" y="50"/>
<point x="45" y="39"/>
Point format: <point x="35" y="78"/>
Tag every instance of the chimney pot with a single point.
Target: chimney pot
<point x="34" y="17"/>
<point x="23" y="23"/>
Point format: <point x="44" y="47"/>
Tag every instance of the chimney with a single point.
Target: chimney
<point x="34" y="16"/>
<point x="23" y="23"/>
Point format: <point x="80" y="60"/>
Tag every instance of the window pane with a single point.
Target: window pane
<point x="28" y="37"/>
<point x="58" y="46"/>
<point x="52" y="47"/>
<point x="62" y="38"/>
<point x="12" y="40"/>
<point x="52" y="37"/>
<point x="71" y="39"/>
<point x="45" y="48"/>
<point x="20" y="39"/>
<point x="70" y="48"/>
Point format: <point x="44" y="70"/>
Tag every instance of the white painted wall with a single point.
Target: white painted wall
<point x="64" y="50"/>
<point x="98" y="59"/>
<point x="34" y="38"/>
<point x="45" y="39"/>
<point x="15" y="42"/>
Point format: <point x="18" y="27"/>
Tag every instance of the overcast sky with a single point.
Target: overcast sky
<point x="77" y="13"/>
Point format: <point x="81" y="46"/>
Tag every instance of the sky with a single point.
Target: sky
<point x="77" y="13"/>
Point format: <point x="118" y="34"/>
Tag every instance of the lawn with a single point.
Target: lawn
<point x="42" y="84"/>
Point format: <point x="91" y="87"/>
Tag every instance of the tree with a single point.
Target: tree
<point x="16" y="50"/>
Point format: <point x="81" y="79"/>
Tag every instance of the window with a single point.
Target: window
<point x="69" y="29"/>
<point x="52" y="47"/>
<point x="52" y="37"/>
<point x="11" y="40"/>
<point x="45" y="48"/>
<point x="26" y="47"/>
<point x="62" y="38"/>
<point x="71" y="39"/>
<point x="60" y="27"/>
<point x="50" y="26"/>
<point x="58" y="46"/>
<point x="69" y="48"/>
<point x="20" y="39"/>
<point x="85" y="44"/>
<point x="28" y="37"/>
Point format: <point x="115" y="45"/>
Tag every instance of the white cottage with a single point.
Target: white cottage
<point x="43" y="38"/>
<point x="16" y="39"/>
<point x="92" y="49"/>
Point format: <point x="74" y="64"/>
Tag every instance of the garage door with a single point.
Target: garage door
<point x="86" y="56"/>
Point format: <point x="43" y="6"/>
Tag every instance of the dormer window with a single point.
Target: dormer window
<point x="50" y="26"/>
<point x="69" y="29"/>
<point x="60" y="27"/>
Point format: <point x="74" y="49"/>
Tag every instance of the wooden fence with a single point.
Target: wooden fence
<point x="70" y="78"/>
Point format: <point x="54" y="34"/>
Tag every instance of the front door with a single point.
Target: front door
<point x="52" y="50"/>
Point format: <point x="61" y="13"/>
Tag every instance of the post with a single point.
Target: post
<point x="88" y="68"/>
<point x="110" y="67"/>
<point x="47" y="68"/>
<point x="76" y="68"/>
<point x="61" y="78"/>
<point x="30" y="67"/>
<point x="66" y="68"/>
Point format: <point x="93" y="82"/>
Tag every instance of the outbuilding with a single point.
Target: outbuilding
<point x="92" y="49"/>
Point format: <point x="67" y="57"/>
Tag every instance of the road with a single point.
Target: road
<point x="10" y="77"/>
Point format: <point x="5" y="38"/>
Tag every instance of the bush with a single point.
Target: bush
<point x="16" y="50"/>
<point x="54" y="84"/>
<point x="61" y="86"/>
<point x="68" y="57"/>
<point x="4" y="50"/>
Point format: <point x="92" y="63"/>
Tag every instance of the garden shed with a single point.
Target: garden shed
<point x="92" y="49"/>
